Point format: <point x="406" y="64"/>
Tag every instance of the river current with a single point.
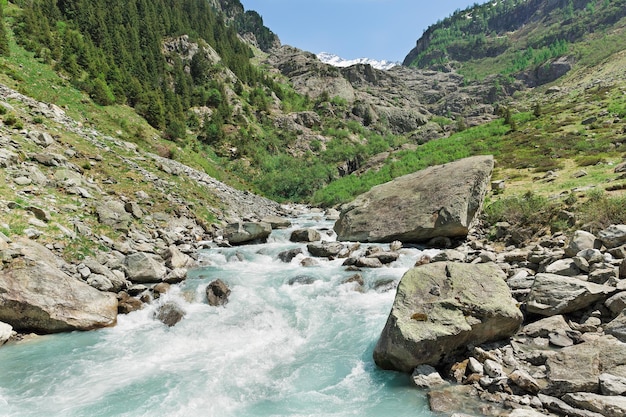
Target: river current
<point x="276" y="349"/>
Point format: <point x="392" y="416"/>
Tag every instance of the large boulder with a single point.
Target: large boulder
<point x="552" y="294"/>
<point x="442" y="307"/>
<point x="437" y="201"/>
<point x="247" y="232"/>
<point x="36" y="295"/>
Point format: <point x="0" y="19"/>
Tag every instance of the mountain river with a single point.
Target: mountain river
<point x="274" y="350"/>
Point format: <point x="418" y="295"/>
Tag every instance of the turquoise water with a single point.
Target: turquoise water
<point x="274" y="350"/>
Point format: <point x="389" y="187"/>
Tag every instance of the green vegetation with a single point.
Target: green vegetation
<point x="482" y="39"/>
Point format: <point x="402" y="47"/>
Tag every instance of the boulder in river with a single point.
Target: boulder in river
<point x="217" y="293"/>
<point x="440" y="201"/>
<point x="169" y="313"/>
<point x="442" y="307"/>
<point x="305" y="235"/>
<point x="247" y="232"/>
<point x="36" y="295"/>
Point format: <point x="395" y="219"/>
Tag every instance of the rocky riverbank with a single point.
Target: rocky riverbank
<point x="92" y="225"/>
<point x="568" y="355"/>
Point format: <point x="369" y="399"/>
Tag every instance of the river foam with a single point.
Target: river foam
<point x="274" y="350"/>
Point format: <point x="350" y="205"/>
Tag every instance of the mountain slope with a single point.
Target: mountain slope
<point x="515" y="37"/>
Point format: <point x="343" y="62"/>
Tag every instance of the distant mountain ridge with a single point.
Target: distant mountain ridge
<point x="338" y="61"/>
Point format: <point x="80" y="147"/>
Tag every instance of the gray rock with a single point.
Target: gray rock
<point x="175" y="276"/>
<point x="288" y="255"/>
<point x="175" y="259"/>
<point x="608" y="406"/>
<point x="566" y="267"/>
<point x="493" y="369"/>
<point x="543" y="327"/>
<point x="277" y="222"/>
<point x="100" y="282"/>
<point x="474" y="306"/>
<point x="38" y="296"/>
<point x="525" y="412"/>
<point x="22" y="181"/>
<point x="425" y="376"/>
<point x="112" y="213"/>
<point x="449" y="255"/>
<point x="589" y="360"/>
<point x="217" y="293"/>
<point x="134" y="209"/>
<point x="608" y="276"/>
<point x="305" y="235"/>
<point x="366" y="262"/>
<point x="562" y="408"/>
<point x="325" y="249"/>
<point x="592" y="256"/>
<point x="247" y="232"/>
<point x="144" y="267"/>
<point x="6" y="332"/>
<point x="581" y="240"/>
<point x="385" y="257"/>
<point x="616" y="303"/>
<point x="554" y="294"/>
<point x="525" y="381"/>
<point x="612" y="385"/>
<point x="613" y="236"/>
<point x="617" y="327"/>
<point x="169" y="313"/>
<point x="438" y="201"/>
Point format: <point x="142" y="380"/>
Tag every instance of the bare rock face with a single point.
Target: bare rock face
<point x="442" y="307"/>
<point x="36" y="295"/>
<point x="440" y="201"/>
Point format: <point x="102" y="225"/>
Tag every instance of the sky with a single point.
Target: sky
<point x="377" y="29"/>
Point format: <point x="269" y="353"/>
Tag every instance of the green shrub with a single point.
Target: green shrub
<point x="530" y="212"/>
<point x="602" y="210"/>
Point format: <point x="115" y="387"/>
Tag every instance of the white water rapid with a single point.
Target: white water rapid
<point x="274" y="350"/>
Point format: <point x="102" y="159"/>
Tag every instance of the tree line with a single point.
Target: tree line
<point x="113" y="49"/>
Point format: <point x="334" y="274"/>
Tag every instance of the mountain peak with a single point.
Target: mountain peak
<point x="337" y="61"/>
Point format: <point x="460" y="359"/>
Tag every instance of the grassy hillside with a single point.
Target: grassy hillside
<point x="511" y="36"/>
<point x="241" y="131"/>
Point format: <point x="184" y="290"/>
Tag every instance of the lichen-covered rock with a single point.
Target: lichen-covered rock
<point x="36" y="295"/>
<point x="552" y="294"/>
<point x="440" y="308"/>
<point x="437" y="201"/>
<point x="247" y="232"/>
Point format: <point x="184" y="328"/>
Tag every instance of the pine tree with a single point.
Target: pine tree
<point x="4" y="40"/>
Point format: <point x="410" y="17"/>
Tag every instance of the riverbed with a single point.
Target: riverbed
<point x="292" y="341"/>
